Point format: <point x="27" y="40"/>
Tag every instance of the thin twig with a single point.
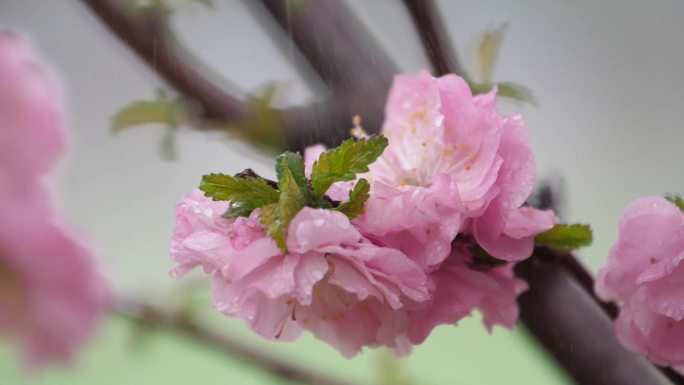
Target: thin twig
<point x="148" y="315"/>
<point x="436" y="42"/>
<point x="147" y="34"/>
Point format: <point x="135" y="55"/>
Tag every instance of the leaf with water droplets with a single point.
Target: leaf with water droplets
<point x="357" y="200"/>
<point x="276" y="217"/>
<point x="245" y="194"/>
<point x="344" y="162"/>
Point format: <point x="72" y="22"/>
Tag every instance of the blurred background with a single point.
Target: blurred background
<point x="607" y="78"/>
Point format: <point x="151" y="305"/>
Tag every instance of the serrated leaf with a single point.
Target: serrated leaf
<point x="245" y="194"/>
<point x="276" y="217"/>
<point x="677" y="200"/>
<point x="566" y="237"/>
<point x="239" y="209"/>
<point x="295" y="163"/>
<point x="357" y="199"/>
<point x="344" y="162"/>
<point x="269" y="216"/>
<point x="160" y="111"/>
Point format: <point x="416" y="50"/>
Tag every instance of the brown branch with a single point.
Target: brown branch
<point x="562" y="310"/>
<point x="348" y="60"/>
<point x="149" y="316"/>
<point x="145" y="31"/>
<point x="147" y="34"/>
<point x="435" y="38"/>
<point x="572" y="326"/>
<point x="536" y="271"/>
<point x="336" y="45"/>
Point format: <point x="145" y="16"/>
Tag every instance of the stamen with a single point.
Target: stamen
<point x="357" y="131"/>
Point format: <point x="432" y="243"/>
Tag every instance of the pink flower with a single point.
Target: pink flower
<point x="31" y="112"/>
<point x="645" y="275"/>
<point x="506" y="230"/>
<point x="461" y="287"/>
<point x="333" y="282"/>
<point x="51" y="293"/>
<point x="453" y="165"/>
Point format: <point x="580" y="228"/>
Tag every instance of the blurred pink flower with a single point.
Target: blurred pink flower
<point x="333" y="281"/>
<point x="644" y="273"/>
<point x="31" y="112"/>
<point x="51" y="293"/>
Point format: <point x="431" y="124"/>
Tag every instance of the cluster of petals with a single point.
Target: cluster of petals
<point x="51" y="292"/>
<point x="645" y="275"/>
<point x="454" y="176"/>
<point x="333" y="281"/>
<point x="453" y="166"/>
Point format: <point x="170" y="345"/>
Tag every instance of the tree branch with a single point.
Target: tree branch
<point x="435" y="39"/>
<point x="572" y="326"/>
<point x="328" y="122"/>
<point x="146" y="32"/>
<point x="147" y="315"/>
<point x="336" y="45"/>
<point x="564" y="313"/>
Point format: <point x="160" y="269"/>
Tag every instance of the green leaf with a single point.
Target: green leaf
<point x="344" y="162"/>
<point x="276" y="217"/>
<point x="264" y="126"/>
<point x="270" y="219"/>
<point x="245" y="194"/>
<point x="295" y="164"/>
<point x="357" y="199"/>
<point x="677" y="200"/>
<point x="507" y="90"/>
<point x="163" y="110"/>
<point x="239" y="209"/>
<point x="487" y="51"/>
<point x="566" y="237"/>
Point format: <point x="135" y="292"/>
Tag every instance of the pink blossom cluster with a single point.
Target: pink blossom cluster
<point x="449" y="187"/>
<point x="51" y="294"/>
<point x="645" y="275"/>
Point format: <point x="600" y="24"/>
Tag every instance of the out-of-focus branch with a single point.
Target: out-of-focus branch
<point x="564" y="313"/>
<point x="348" y="60"/>
<point x="336" y="45"/>
<point x="150" y="316"/>
<point x="571" y="324"/>
<point x="564" y="266"/>
<point x="435" y="39"/>
<point x="328" y="122"/>
<point x="146" y="32"/>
